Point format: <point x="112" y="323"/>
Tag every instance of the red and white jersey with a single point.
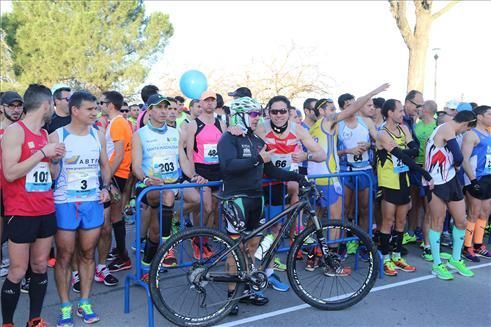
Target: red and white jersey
<point x="282" y="157"/>
<point x="439" y="161"/>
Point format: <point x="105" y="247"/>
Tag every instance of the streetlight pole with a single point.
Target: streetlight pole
<point x="436" y="52"/>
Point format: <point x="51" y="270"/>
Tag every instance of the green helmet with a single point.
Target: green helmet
<point x="238" y="110"/>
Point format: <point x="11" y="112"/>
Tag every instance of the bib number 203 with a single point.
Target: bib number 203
<point x="166" y="167"/>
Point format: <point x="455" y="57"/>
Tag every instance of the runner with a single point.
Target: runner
<point x="158" y="158"/>
<point x="13" y="108"/>
<point x="325" y="133"/>
<point x="443" y="159"/>
<point x="28" y="200"/>
<point x="77" y="194"/>
<point x="202" y="137"/>
<point x="354" y="139"/>
<point x="61" y="116"/>
<point x="476" y="150"/>
<point x="395" y="150"/>
<point x="118" y="145"/>
<point x="133" y="115"/>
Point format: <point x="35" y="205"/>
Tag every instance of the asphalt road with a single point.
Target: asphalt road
<point x="410" y="299"/>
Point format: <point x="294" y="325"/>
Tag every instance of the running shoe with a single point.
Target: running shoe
<point x="313" y="259"/>
<point x="445" y="255"/>
<point x="170" y="259"/>
<point x="207" y="251"/>
<point x="406" y="239"/>
<point x="278" y="265"/>
<point x="401" y="264"/>
<point x="52" y="262"/>
<point x="470" y="255"/>
<point x="4" y="272"/>
<point x="142" y="245"/>
<point x="363" y="252"/>
<point x="482" y="251"/>
<point x="339" y="272"/>
<point x="119" y="264"/>
<point x="24" y="286"/>
<point x="275" y="282"/>
<point x="113" y="254"/>
<point x="351" y="247"/>
<point x="299" y="255"/>
<point x="85" y="312"/>
<point x="66" y="317"/>
<point x="426" y="255"/>
<point x="145" y="278"/>
<point x="441" y="272"/>
<point x="104" y="276"/>
<point x="459" y="265"/>
<point x="446" y="239"/>
<point x="390" y="268"/>
<point x="76" y="282"/>
<point x="5" y="263"/>
<point x="254" y="297"/>
<point x="36" y="322"/>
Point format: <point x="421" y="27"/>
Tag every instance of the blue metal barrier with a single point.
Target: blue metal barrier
<point x="270" y="212"/>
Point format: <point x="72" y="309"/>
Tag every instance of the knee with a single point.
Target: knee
<point x="87" y="255"/>
<point x="106" y="230"/>
<point x="63" y="256"/>
<point x="461" y="223"/>
<point x="16" y="273"/>
<point x="39" y="266"/>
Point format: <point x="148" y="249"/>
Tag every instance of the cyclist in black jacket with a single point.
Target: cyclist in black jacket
<point x="244" y="159"/>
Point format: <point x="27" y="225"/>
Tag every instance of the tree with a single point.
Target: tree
<point x="7" y="74"/>
<point x="417" y="40"/>
<point x="97" y="45"/>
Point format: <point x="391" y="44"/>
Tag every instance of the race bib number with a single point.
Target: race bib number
<point x="283" y="161"/>
<point x="39" y="178"/>
<point x="211" y="153"/>
<point x="399" y="166"/>
<point x="82" y="183"/>
<point x="487" y="164"/>
<point x="352" y="159"/>
<point x="165" y="167"/>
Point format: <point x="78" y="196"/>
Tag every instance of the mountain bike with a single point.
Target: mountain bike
<point x="204" y="286"/>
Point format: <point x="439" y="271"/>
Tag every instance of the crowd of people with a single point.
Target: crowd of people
<point x="71" y="163"/>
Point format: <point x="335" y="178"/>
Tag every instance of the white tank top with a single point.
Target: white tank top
<point x="349" y="138"/>
<point x="439" y="161"/>
<point x="78" y="180"/>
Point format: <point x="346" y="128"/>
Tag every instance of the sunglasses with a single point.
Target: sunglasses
<point x="254" y="114"/>
<point x="278" y="111"/>
<point x="124" y="110"/>
<point x="417" y="105"/>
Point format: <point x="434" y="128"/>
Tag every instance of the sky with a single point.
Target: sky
<point x="356" y="43"/>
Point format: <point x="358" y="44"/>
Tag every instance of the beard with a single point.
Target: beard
<point x="13" y="120"/>
<point x="47" y="118"/>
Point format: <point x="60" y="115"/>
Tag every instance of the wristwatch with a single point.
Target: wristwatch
<point x="310" y="156"/>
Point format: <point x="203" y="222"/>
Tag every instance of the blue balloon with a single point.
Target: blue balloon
<point x="193" y="83"/>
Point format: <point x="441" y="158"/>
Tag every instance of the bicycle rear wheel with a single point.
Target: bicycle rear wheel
<point x="346" y="282"/>
<point x="183" y="294"/>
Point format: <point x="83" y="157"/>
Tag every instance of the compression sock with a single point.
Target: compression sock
<point x="397" y="241"/>
<point x="10" y="298"/>
<point x="167" y="215"/>
<point x="119" y="236"/>
<point x="434" y="237"/>
<point x="479" y="231"/>
<point x="469" y="234"/>
<point x="37" y="291"/>
<point x="384" y="243"/>
<point x="458" y="242"/>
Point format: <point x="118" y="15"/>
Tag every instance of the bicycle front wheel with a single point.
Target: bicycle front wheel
<point x="183" y="293"/>
<point x="345" y="281"/>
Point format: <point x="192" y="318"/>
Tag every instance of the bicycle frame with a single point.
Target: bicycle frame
<point x="293" y="212"/>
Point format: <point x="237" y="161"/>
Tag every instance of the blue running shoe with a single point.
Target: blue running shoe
<point x="66" y="317"/>
<point x="275" y="282"/>
<point x="85" y="312"/>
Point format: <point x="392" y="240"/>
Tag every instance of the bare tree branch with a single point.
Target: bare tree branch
<point x="398" y="10"/>
<point x="442" y="11"/>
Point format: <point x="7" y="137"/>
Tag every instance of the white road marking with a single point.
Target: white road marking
<point x="305" y="306"/>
